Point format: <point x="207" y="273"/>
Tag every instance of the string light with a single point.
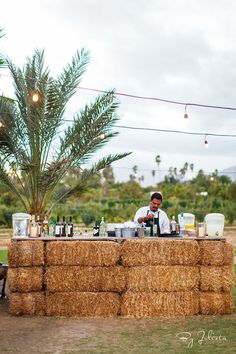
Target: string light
<point x="206" y="142"/>
<point x="185" y="114"/>
<point x="145" y="97"/>
<point x="35" y="97"/>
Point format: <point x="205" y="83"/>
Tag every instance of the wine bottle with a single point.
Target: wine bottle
<point x="58" y="228"/>
<point x="96" y="231"/>
<point x="63" y="227"/>
<point x="39" y="226"/>
<point x="70" y="228"/>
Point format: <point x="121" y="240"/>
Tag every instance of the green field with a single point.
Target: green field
<point x="3" y="256"/>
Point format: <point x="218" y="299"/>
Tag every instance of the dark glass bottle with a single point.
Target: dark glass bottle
<point x="58" y="227"/>
<point x="63" y="227"/>
<point x="39" y="226"/>
<point x="70" y="227"/>
<point x="96" y="231"/>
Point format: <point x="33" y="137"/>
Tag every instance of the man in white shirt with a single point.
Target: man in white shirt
<point x="146" y="214"/>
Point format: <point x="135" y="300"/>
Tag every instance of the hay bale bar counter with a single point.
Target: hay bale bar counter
<point x="133" y="278"/>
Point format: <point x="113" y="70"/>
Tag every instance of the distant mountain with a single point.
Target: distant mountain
<point x="230" y="172"/>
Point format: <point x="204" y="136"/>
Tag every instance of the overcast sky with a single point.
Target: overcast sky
<point x="180" y="50"/>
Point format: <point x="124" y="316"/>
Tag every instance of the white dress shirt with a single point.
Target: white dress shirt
<point x="163" y="218"/>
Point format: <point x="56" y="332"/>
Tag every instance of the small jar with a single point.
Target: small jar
<point x="201" y="230"/>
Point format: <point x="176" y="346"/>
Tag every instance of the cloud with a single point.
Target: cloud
<point x="181" y="50"/>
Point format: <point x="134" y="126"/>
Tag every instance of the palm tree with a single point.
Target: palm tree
<point x="36" y="152"/>
<point x="2" y="61"/>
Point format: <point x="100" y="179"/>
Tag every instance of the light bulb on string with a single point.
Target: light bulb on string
<point x="206" y="142"/>
<point x="185" y="113"/>
<point x="35" y="97"/>
<point x="35" y="92"/>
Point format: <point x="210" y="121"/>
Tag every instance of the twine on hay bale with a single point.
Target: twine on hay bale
<point x="159" y="252"/>
<point x="161" y="304"/>
<point x="26" y="253"/>
<point x="212" y="303"/>
<point x="25" y="279"/>
<point x="216" y="279"/>
<point x="74" y="278"/>
<point x="85" y="253"/>
<point x="27" y="303"/>
<point x="76" y="304"/>
<point x="162" y="278"/>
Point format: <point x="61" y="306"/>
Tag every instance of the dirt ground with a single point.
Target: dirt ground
<point x="66" y="335"/>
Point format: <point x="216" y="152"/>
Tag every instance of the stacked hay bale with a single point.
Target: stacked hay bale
<point x="177" y="277"/>
<point x="25" y="277"/>
<point x="83" y="278"/>
<point x="162" y="278"/>
<point x="138" y="278"/>
<point x="216" y="278"/>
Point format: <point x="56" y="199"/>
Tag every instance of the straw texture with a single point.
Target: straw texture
<point x="25" y="279"/>
<point x="76" y="304"/>
<point x="163" y="304"/>
<point x="85" y="253"/>
<point x="162" y="278"/>
<point x="159" y="252"/>
<point x="26" y="253"/>
<point x="212" y="303"/>
<point x="212" y="252"/>
<point x="74" y="278"/>
<point x="216" y="279"/>
<point x="27" y="304"/>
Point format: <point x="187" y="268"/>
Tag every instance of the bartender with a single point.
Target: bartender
<point x="147" y="214"/>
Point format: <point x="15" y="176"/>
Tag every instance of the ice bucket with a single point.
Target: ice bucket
<point x="128" y="232"/>
<point x="214" y="224"/>
<point x="20" y="224"/>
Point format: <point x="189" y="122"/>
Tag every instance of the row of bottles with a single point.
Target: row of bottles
<point x="37" y="227"/>
<point x="63" y="229"/>
<point x="40" y="228"/>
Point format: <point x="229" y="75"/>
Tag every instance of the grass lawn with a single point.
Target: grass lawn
<point x="3" y="256"/>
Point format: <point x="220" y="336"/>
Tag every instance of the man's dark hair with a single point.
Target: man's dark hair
<point x="156" y="195"/>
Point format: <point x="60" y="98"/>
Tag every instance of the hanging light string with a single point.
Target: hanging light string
<point x="186" y="104"/>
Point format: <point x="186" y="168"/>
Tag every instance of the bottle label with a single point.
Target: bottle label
<point x="33" y="231"/>
<point x="57" y="229"/>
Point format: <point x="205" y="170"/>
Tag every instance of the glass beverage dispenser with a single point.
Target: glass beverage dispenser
<point x="20" y="223"/>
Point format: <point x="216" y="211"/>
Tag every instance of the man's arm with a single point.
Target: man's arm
<point x="141" y="215"/>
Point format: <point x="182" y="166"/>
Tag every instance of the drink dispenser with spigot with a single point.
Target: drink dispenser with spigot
<point x="20" y="224"/>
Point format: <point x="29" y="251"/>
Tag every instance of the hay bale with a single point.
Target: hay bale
<point x="85" y="253"/>
<point x="228" y="254"/>
<point x="212" y="252"/>
<point x="27" y="304"/>
<point x="26" y="253"/>
<point x="216" y="278"/>
<point x="159" y="252"/>
<point x="25" y="279"/>
<point x="211" y="303"/>
<point x="74" y="278"/>
<point x="162" y="278"/>
<point x="76" y="304"/>
<point x="161" y="304"/>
